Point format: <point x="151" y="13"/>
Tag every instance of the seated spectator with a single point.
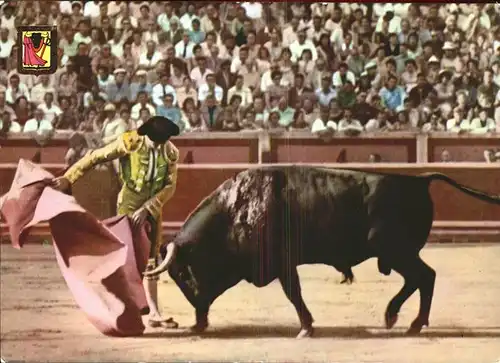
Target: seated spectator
<point x="16" y="89"/>
<point x="346" y="96"/>
<point x="184" y="49"/>
<point x="142" y="102"/>
<point x="38" y="124"/>
<point x="150" y="57"/>
<point x="323" y="125"/>
<point x="453" y="124"/>
<point x="210" y="87"/>
<point x="326" y="93"/>
<point x="298" y="122"/>
<point x="235" y="107"/>
<point x="113" y="126"/>
<point x="92" y="95"/>
<point x="285" y="111"/>
<point x="200" y="72"/>
<point x="77" y="148"/>
<point x="23" y="110"/>
<point x="39" y="91"/>
<point x="160" y="90"/>
<point x="140" y="84"/>
<point x="51" y="110"/>
<point x="210" y="111"/>
<point x="68" y="119"/>
<point x="343" y="75"/>
<point x="171" y="112"/>
<point x="380" y="123"/>
<point x="481" y="124"/>
<point x="249" y="122"/>
<point x="227" y="120"/>
<point x="244" y="92"/>
<point x="392" y="95"/>
<point x="348" y="125"/>
<point x="7" y="125"/>
<point x="434" y="123"/>
<point x="118" y="89"/>
<point x="274" y="123"/>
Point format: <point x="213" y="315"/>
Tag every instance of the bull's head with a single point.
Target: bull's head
<point x="195" y="257"/>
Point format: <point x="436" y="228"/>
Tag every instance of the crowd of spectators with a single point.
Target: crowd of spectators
<point x="325" y="67"/>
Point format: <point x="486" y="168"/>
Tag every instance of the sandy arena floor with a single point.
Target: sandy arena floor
<point x="40" y="322"/>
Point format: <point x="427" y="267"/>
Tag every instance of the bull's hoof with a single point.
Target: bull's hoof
<point x="305" y="333"/>
<point x="416" y="326"/>
<point x="390" y="320"/>
<point x="198" y="328"/>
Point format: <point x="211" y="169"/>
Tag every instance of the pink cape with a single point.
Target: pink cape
<point x="102" y="262"/>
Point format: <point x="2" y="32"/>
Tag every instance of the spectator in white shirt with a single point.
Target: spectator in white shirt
<point x="165" y="18"/>
<point x="162" y="89"/>
<point x="323" y="126"/>
<point x="199" y="73"/>
<point x="253" y="9"/>
<point x="38" y="124"/>
<point x="6" y="43"/>
<point x="210" y="87"/>
<point x="16" y="89"/>
<point x="91" y="9"/>
<point x="50" y="110"/>
<point x="240" y="90"/>
<point x="39" y="91"/>
<point x="479" y="125"/>
<point x="453" y="124"/>
<point x="301" y="44"/>
<point x="150" y="57"/>
<point x="187" y="19"/>
<point x="343" y="75"/>
<point x="142" y="102"/>
<point x="348" y="125"/>
<point x="241" y="59"/>
<point x="7" y="125"/>
<point x="83" y="34"/>
<point x="184" y="48"/>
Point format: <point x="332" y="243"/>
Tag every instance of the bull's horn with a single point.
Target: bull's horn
<point x="171" y="250"/>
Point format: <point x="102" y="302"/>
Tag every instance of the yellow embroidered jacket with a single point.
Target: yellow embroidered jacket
<point x="148" y="178"/>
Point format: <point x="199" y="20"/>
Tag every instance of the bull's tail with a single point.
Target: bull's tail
<point x="495" y="199"/>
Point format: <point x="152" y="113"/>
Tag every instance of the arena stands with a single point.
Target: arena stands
<point x="328" y="69"/>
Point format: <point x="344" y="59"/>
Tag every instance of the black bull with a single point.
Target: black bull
<point x="264" y="222"/>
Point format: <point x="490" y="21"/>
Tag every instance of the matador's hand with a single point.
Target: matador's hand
<point x="61" y="184"/>
<point x="139" y="217"/>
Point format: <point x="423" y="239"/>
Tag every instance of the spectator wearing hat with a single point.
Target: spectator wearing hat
<point x="451" y="61"/>
<point x="140" y="84"/>
<point x="118" y="89"/>
<point x="184" y="48"/>
<point x="392" y="95"/>
<point x="113" y="126"/>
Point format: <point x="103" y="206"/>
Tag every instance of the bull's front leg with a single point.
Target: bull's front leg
<point x="291" y="285"/>
<point x="201" y="320"/>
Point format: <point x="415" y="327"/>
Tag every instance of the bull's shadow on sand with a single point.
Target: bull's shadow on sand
<point x="253" y="331"/>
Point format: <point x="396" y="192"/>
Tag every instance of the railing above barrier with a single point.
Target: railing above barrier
<point x="271" y="147"/>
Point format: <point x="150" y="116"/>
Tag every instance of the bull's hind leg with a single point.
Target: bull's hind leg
<point x="417" y="275"/>
<point x="291" y="285"/>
